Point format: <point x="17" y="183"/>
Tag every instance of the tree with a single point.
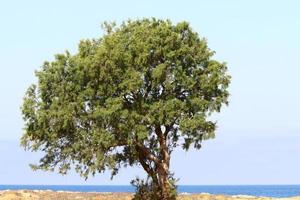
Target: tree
<point x="127" y="98"/>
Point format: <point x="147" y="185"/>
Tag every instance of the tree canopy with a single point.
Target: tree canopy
<point x="127" y="98"/>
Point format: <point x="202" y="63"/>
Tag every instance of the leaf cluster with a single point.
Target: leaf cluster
<point x="93" y="108"/>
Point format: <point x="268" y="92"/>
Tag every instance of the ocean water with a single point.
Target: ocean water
<point x="255" y="190"/>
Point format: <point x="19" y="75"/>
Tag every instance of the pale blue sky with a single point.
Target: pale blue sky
<point x="258" y="139"/>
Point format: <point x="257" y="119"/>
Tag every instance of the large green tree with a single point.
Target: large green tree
<point x="128" y="98"/>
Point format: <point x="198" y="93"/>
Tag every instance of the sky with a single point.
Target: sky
<point x="258" y="136"/>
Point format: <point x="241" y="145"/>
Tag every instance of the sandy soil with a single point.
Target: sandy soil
<point x="50" y="195"/>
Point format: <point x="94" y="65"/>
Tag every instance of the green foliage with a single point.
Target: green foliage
<point x="149" y="190"/>
<point x="95" y="108"/>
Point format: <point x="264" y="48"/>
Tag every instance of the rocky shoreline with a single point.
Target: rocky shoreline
<point x="65" y="195"/>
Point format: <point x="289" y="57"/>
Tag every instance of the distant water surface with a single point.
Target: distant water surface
<point x="255" y="190"/>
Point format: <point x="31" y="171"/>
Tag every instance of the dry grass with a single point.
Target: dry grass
<point x="50" y="195"/>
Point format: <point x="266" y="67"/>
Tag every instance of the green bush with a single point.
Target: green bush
<point x="149" y="190"/>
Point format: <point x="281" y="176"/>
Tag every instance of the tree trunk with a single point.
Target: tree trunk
<point x="159" y="171"/>
<point x="163" y="174"/>
<point x="163" y="168"/>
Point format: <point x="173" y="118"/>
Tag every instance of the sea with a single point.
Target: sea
<point x="253" y="190"/>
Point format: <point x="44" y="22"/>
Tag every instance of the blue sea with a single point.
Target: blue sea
<point x="255" y="190"/>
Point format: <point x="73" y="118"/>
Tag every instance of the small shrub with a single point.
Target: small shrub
<point x="149" y="190"/>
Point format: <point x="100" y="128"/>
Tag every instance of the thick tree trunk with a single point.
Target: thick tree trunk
<point x="159" y="169"/>
<point x="163" y="168"/>
<point x="160" y="178"/>
<point x="163" y="174"/>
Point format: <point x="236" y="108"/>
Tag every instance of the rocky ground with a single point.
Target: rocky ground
<point x="50" y="195"/>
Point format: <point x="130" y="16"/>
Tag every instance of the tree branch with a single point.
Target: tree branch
<point x="169" y="127"/>
<point x="147" y="153"/>
<point x="163" y="145"/>
<point x="146" y="167"/>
